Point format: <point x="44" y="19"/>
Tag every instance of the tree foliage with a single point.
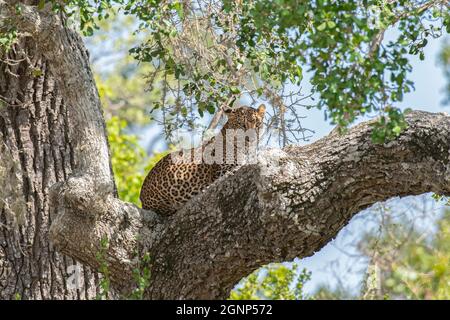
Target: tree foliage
<point x="444" y="59"/>
<point x="121" y="86"/>
<point x="412" y="265"/>
<point x="274" y="282"/>
<point x="211" y="53"/>
<point x="120" y="79"/>
<point x="129" y="160"/>
<point x="339" y="42"/>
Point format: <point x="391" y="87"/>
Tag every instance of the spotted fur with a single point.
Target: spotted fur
<point x="170" y="184"/>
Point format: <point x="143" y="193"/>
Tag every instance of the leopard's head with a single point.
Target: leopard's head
<point x="245" y="117"/>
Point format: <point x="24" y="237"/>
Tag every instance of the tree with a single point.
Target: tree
<point x="60" y="191"/>
<point x="39" y="148"/>
<point x="278" y="282"/>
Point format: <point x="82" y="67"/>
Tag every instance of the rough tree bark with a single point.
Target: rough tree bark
<point x="39" y="146"/>
<point x="289" y="204"/>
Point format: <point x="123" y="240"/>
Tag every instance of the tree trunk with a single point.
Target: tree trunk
<point x="36" y="146"/>
<point x="291" y="203"/>
<point x="40" y="142"/>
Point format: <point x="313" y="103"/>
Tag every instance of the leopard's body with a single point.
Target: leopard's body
<point x="171" y="182"/>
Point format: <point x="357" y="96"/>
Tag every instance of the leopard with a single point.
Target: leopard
<point x="173" y="181"/>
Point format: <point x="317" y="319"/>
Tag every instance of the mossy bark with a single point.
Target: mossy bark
<point x="36" y="151"/>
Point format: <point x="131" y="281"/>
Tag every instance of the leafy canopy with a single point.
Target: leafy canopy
<point x="338" y="44"/>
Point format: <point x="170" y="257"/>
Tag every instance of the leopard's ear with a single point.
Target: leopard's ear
<point x="261" y="110"/>
<point x="228" y="110"/>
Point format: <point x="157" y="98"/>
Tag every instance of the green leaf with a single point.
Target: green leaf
<point x="235" y="90"/>
<point x="178" y="6"/>
<point x="322" y="26"/>
<point x="331" y="24"/>
<point x="396" y="130"/>
<point x="211" y="108"/>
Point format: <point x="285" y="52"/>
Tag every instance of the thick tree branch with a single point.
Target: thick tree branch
<point x="290" y="204"/>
